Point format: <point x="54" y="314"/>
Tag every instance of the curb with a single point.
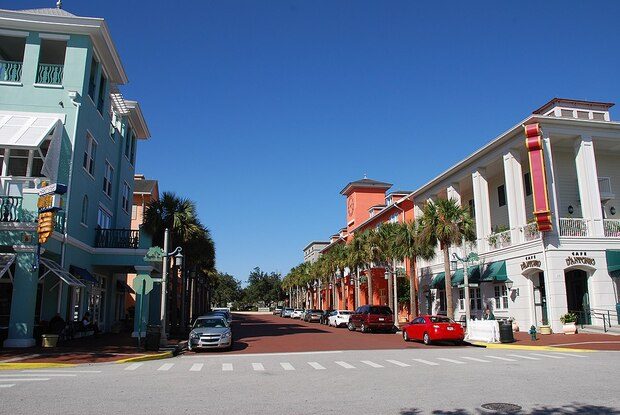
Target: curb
<point x="22" y="366"/>
<point x="146" y="357"/>
<point x="539" y="348"/>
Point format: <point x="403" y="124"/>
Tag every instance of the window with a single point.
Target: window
<point x="134" y="212"/>
<point x="442" y="300"/>
<point x="18" y="162"/>
<point x="461" y="299"/>
<point x="125" y="201"/>
<point x="92" y="80"/>
<point x="501" y="297"/>
<point x="501" y="196"/>
<point x="107" y="179"/>
<point x="89" y="155"/>
<point x="101" y="97"/>
<point x="128" y="134"/>
<point x="527" y="183"/>
<point x="132" y="155"/>
<point x="104" y="219"/>
<point x="472" y="208"/>
<point x="394" y="218"/>
<point x="475" y="300"/>
<point x="84" y="219"/>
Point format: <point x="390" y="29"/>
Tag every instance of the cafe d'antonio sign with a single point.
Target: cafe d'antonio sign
<point x="530" y="262"/>
<point x="580" y="258"/>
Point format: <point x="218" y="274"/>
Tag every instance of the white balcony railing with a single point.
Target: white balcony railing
<point x="611" y="228"/>
<point x="574" y="227"/>
<point x="499" y="240"/>
<point x="530" y="232"/>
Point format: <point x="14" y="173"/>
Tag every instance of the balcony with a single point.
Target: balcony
<point x="611" y="227"/>
<point x="531" y="232"/>
<point x="574" y="227"/>
<point x="499" y="240"/>
<point x="117" y="238"/>
<point x="49" y="74"/>
<point x="10" y="71"/>
<point x="10" y="208"/>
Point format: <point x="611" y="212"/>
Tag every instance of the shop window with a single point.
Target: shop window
<point x="475" y="300"/>
<point x="501" y="297"/>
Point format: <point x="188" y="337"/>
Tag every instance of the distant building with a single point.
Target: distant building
<point x="312" y="251"/>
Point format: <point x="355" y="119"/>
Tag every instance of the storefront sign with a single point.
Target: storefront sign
<point x="532" y="263"/>
<point x="533" y="143"/>
<point x="580" y="258"/>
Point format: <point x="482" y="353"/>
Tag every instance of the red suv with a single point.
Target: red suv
<point x="371" y="317"/>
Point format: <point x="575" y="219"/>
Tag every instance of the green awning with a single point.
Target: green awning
<point x="439" y="280"/>
<point x="473" y="274"/>
<point x="495" y="272"/>
<point x="613" y="263"/>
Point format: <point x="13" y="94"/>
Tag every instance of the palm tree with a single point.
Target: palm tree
<point x="354" y="260"/>
<point x="367" y="243"/>
<point x="447" y="223"/>
<point x="387" y="234"/>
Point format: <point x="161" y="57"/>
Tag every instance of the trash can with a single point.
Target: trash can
<point x="151" y="341"/>
<point x="505" y="332"/>
<point x="49" y="340"/>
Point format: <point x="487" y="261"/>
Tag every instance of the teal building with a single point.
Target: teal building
<point x="64" y="120"/>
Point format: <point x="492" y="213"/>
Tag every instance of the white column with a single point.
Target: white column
<point x="515" y="196"/>
<point x="587" y="179"/>
<point x="454" y="193"/>
<point x="482" y="208"/>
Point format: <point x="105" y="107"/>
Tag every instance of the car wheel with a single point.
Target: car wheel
<point x="189" y="346"/>
<point x="364" y="328"/>
<point x="405" y="336"/>
<point x="351" y="327"/>
<point x="426" y="339"/>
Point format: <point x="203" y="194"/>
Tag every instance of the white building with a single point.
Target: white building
<point x="573" y="267"/>
<point x="312" y="251"/>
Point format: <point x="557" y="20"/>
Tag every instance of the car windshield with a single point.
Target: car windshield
<point x="288" y="309"/>
<point x="435" y="319"/>
<point x="381" y="310"/>
<point x="345" y="312"/>
<point x="316" y="311"/>
<point x="209" y="322"/>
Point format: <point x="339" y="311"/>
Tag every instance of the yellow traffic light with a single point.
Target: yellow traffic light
<point x="46" y="226"/>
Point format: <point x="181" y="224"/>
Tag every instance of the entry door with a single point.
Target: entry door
<point x="577" y="297"/>
<point x="540" y="299"/>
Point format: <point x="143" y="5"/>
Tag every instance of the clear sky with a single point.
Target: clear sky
<point x="262" y="111"/>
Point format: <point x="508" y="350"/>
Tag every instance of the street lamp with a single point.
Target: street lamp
<point x="178" y="260"/>
<point x="470" y="258"/>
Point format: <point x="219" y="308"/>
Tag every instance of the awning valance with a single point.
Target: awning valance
<point x="61" y="273"/>
<point x="473" y="274"/>
<point x="495" y="272"/>
<point x="613" y="262"/>
<point x="6" y="260"/>
<point x="439" y="281"/>
<point x="83" y="274"/>
<point x="27" y="129"/>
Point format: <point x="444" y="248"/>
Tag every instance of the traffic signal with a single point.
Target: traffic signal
<point x="46" y="226"/>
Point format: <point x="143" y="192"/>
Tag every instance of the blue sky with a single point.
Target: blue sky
<point x="266" y="109"/>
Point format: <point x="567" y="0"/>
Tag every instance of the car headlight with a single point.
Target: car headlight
<point x="226" y="335"/>
<point x="194" y="336"/>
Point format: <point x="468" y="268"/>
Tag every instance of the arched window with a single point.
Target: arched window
<point x="85" y="210"/>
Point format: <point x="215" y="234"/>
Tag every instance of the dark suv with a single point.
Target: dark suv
<point x="372" y="317"/>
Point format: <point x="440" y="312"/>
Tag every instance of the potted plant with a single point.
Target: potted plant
<point x="515" y="325"/>
<point x="569" y="323"/>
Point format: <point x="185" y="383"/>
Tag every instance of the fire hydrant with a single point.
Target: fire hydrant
<point x="533" y="332"/>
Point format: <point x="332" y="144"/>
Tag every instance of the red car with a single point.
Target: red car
<point x="433" y="328"/>
<point x="371" y="317"/>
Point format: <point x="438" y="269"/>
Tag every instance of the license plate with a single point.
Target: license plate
<point x="450" y="328"/>
<point x="381" y="319"/>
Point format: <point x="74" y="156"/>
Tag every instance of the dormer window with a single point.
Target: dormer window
<point x="51" y="61"/>
<point x="11" y="58"/>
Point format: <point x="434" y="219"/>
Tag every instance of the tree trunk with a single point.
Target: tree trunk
<point x="413" y="295"/>
<point x="448" y="281"/>
<point x="369" y="282"/>
<point x="356" y="304"/>
<point x="344" y="302"/>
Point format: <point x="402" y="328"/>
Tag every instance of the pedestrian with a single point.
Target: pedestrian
<point x="57" y="325"/>
<point x="488" y="314"/>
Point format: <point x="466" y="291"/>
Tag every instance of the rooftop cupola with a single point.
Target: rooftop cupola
<point x="574" y="108"/>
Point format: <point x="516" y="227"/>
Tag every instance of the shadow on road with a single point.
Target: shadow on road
<point x="256" y="326"/>
<point x="570" y="409"/>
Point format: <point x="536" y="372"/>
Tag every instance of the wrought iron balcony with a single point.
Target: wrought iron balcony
<point x="611" y="228"/>
<point x="50" y="74"/>
<point x="10" y="71"/>
<point x="574" y="227"/>
<point x="10" y="208"/>
<point x="117" y="238"/>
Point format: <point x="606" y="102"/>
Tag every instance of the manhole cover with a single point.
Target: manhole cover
<point x="503" y="407"/>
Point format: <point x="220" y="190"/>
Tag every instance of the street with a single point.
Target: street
<point x="389" y="380"/>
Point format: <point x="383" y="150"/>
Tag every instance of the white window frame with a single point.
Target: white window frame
<point x="103" y="212"/>
<point x="461" y="299"/>
<point x="125" y="197"/>
<point x="500" y="293"/>
<point x="107" y="190"/>
<point x="134" y="212"/>
<point x="475" y="299"/>
<point x="90" y="154"/>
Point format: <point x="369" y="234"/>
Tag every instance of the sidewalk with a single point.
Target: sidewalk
<point x="105" y="347"/>
<point x="580" y="341"/>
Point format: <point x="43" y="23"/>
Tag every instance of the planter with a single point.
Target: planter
<point x="545" y="329"/>
<point x="569" y="328"/>
<point x="49" y="340"/>
<point x="515" y="326"/>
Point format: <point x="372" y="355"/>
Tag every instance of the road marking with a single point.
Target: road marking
<point x="258" y="366"/>
<point x="426" y="362"/>
<point x="524" y="357"/>
<point x="397" y="363"/>
<point x="39" y="375"/>
<point x="166" y="366"/>
<point x="458" y="362"/>
<point x="20" y="357"/>
<point x="22" y="379"/>
<point x="287" y="366"/>
<point x="60" y="371"/>
<point x="196" y="367"/>
<point x="133" y="366"/>
<point x="316" y="366"/>
<point x="7" y="385"/>
<point x="371" y="364"/>
<point x="505" y="359"/>
<point x="475" y="359"/>
<point x="345" y="365"/>
<point x="227" y="367"/>
<point x="570" y="354"/>
<point x="227" y="356"/>
<point x="548" y="355"/>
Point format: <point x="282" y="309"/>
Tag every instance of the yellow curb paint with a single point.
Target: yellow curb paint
<point x="539" y="348"/>
<point x="24" y="366"/>
<point x="145" y="357"/>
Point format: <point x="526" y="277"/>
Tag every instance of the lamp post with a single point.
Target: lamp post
<point x="178" y="261"/>
<point x="471" y="257"/>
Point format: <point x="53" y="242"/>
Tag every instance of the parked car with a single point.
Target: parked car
<point x="210" y="332"/>
<point x="371" y="317"/>
<point x="303" y="314"/>
<point x="277" y="311"/>
<point x="313" y="315"/>
<point x="433" y="328"/>
<point x="296" y="313"/>
<point x="325" y="315"/>
<point x="339" y="318"/>
<point x="221" y="312"/>
<point x="286" y="312"/>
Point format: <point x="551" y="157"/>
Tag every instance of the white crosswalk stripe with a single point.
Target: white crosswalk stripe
<point x="458" y="362"/>
<point x="287" y="366"/>
<point x="7" y="385"/>
<point x="166" y="366"/>
<point x="524" y="357"/>
<point x="397" y="363"/>
<point x="23" y="379"/>
<point x="133" y="366"/>
<point x="475" y="359"/>
<point x="371" y="364"/>
<point x="505" y="359"/>
<point x="258" y="366"/>
<point x="61" y="375"/>
<point x="196" y="367"/>
<point x="316" y="365"/>
<point x="227" y="367"/>
<point x="61" y="371"/>
<point x="426" y="362"/>
<point x="345" y="365"/>
<point x="548" y="355"/>
<point x="570" y="354"/>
